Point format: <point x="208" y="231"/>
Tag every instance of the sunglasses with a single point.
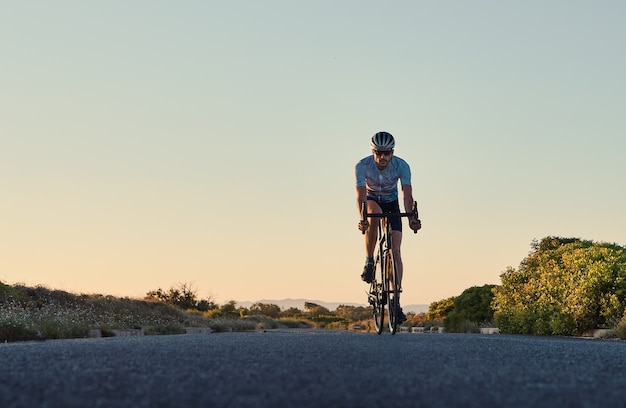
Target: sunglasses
<point x="380" y="153"/>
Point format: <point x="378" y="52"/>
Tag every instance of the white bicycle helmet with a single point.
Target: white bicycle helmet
<point x="382" y="141"/>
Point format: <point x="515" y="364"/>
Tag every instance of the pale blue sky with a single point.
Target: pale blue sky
<point x="149" y="143"/>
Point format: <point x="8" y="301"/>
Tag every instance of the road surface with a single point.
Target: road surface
<point x="314" y="368"/>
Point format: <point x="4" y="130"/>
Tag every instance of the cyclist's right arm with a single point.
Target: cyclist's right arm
<point x="361" y="192"/>
<point x="361" y="199"/>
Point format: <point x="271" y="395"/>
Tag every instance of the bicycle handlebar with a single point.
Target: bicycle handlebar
<point x="365" y="215"/>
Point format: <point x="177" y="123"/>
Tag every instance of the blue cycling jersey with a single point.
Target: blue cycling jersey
<point x="382" y="185"/>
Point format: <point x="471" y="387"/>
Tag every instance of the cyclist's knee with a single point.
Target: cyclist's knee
<point x="373" y="207"/>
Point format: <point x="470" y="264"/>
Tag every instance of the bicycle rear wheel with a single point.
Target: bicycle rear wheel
<point x="394" y="293"/>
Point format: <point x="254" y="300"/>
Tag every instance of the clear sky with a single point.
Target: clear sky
<point x="150" y="143"/>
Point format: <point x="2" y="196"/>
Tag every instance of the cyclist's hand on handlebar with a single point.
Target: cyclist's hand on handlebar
<point x="363" y="225"/>
<point x="415" y="224"/>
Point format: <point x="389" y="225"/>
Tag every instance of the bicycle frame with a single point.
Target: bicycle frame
<point x="385" y="288"/>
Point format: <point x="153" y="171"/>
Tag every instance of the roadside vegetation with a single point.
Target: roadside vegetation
<point x="39" y="313"/>
<point x="565" y="286"/>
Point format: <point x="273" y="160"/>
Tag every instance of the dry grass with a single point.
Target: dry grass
<point x="39" y="313"/>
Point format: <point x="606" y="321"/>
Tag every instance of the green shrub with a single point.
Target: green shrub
<point x="454" y="323"/>
<point x="338" y="325"/>
<point x="11" y="330"/>
<point x="565" y="286"/>
<point x="230" y="325"/>
<point x="323" y="321"/>
<point x="294" y="323"/>
<point x="55" y="329"/>
<point x="8" y="292"/>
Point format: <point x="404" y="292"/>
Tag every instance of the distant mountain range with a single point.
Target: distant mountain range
<point x="299" y="304"/>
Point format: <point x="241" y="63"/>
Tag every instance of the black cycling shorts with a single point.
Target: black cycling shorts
<point x="390" y="207"/>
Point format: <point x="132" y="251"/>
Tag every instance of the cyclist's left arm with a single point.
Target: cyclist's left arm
<point x="407" y="194"/>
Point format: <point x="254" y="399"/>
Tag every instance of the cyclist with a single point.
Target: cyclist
<point x="377" y="185"/>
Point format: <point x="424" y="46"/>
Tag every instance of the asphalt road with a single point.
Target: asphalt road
<point x="314" y="368"/>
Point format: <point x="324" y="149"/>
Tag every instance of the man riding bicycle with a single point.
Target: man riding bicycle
<point x="377" y="185"/>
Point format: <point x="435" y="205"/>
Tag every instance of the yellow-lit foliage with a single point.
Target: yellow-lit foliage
<point x="565" y="286"/>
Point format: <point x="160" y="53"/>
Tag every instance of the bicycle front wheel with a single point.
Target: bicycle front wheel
<point x="394" y="293"/>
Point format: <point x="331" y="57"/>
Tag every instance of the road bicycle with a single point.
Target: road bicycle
<point x="385" y="288"/>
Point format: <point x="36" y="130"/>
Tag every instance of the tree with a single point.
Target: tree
<point x="313" y="309"/>
<point x="416" y="320"/>
<point x="471" y="308"/>
<point x="229" y="310"/>
<point x="183" y="296"/>
<point x="291" y="312"/>
<point x="321" y="315"/>
<point x="354" y="313"/>
<point x="563" y="287"/>
<point x="439" y="310"/>
<point x="269" y="310"/>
